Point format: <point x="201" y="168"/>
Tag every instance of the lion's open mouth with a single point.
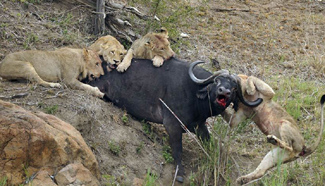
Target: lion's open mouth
<point x="222" y="100"/>
<point x="112" y="66"/>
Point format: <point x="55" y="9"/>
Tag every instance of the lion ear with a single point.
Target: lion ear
<point x="86" y="54"/>
<point x="163" y="30"/>
<point x="102" y="48"/>
<point x="148" y="44"/>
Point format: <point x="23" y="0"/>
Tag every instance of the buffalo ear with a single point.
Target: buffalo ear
<point x="203" y="93"/>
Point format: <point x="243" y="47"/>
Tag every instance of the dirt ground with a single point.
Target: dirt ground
<point x="272" y="40"/>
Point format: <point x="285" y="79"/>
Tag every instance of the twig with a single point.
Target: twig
<point x="230" y="10"/>
<point x="19" y="95"/>
<point x="175" y="175"/>
<point x="56" y="94"/>
<point x="185" y="128"/>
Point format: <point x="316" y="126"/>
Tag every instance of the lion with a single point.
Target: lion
<point x="273" y="120"/>
<point x="46" y="68"/>
<point x="110" y="48"/>
<point x="154" y="46"/>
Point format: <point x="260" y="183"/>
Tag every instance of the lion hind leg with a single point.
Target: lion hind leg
<point x="25" y="70"/>
<point x="274" y="157"/>
<point x="276" y="141"/>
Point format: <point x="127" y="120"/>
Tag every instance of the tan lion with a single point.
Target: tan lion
<point x="154" y="46"/>
<point x="49" y="67"/>
<point x="272" y="119"/>
<point x="110" y="48"/>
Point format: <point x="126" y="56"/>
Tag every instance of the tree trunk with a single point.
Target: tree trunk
<point x="100" y="17"/>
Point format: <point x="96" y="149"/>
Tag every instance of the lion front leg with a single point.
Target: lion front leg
<point x="126" y="62"/>
<point x="157" y="61"/>
<point x="75" y="84"/>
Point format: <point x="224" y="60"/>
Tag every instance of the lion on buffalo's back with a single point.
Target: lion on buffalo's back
<point x="154" y="46"/>
<point x="47" y="68"/>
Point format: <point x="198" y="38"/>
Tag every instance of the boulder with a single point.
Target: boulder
<point x="75" y="174"/>
<point x="30" y="142"/>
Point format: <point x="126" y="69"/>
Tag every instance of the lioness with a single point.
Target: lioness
<point x="154" y="46"/>
<point x="46" y="67"/>
<point x="110" y="48"/>
<point x="273" y="120"/>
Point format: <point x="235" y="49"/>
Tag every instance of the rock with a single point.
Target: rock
<point x="75" y="174"/>
<point x="43" y="178"/>
<point x="30" y="142"/>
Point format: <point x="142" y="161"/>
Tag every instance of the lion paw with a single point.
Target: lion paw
<point x="55" y="85"/>
<point x="157" y="61"/>
<point x="122" y="67"/>
<point x="98" y="93"/>
<point x="242" y="180"/>
<point x="272" y="139"/>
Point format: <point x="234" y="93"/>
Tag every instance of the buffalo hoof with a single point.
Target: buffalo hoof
<point x="180" y="179"/>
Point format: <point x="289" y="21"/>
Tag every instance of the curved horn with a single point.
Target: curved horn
<point x="203" y="81"/>
<point x="241" y="97"/>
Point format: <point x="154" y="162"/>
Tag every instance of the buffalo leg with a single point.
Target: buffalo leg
<point x="174" y="130"/>
<point x="202" y="132"/>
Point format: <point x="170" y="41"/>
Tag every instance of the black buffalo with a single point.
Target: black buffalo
<point x="193" y="94"/>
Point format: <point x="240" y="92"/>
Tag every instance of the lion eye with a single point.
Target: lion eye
<point x="112" y="52"/>
<point x="97" y="64"/>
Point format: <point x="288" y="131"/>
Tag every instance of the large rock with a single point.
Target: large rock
<point x="30" y="142"/>
<point x="75" y="174"/>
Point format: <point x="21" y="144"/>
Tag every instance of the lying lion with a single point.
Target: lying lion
<point x="154" y="46"/>
<point x="48" y="67"/>
<point x="280" y="128"/>
<point x="110" y="48"/>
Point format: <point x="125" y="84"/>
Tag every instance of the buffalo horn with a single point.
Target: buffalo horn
<point x="241" y="97"/>
<point x="203" y="81"/>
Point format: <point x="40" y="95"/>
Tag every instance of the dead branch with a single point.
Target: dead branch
<point x="100" y="18"/>
<point x="230" y="10"/>
<point x="19" y="95"/>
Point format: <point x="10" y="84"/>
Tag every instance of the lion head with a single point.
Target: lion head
<point x="155" y="44"/>
<point x="112" y="53"/>
<point x="110" y="48"/>
<point x="93" y="65"/>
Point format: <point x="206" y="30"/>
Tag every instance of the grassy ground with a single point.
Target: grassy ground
<point x="281" y="42"/>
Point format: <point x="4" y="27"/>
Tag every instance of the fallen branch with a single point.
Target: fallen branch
<point x="175" y="175"/>
<point x="19" y="95"/>
<point x="230" y="10"/>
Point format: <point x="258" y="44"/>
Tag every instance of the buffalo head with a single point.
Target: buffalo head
<point x="221" y="88"/>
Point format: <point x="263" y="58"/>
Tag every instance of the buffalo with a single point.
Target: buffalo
<point x="192" y="93"/>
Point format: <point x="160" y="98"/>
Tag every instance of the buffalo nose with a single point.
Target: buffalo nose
<point x="223" y="91"/>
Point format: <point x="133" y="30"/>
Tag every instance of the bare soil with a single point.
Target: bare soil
<point x="267" y="39"/>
